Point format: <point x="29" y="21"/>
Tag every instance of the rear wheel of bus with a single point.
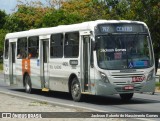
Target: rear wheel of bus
<point x="76" y="90"/>
<point x="27" y="85"/>
<point x="126" y="97"/>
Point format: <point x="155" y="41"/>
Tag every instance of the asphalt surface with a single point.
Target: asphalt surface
<point x="139" y="103"/>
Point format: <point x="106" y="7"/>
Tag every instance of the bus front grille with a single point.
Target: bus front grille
<point x="125" y="83"/>
<point x="127" y="76"/>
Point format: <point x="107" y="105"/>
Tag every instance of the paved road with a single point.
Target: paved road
<point x="139" y="103"/>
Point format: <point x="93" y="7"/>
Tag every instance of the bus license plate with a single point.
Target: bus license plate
<point x="128" y="87"/>
<point x="138" y="78"/>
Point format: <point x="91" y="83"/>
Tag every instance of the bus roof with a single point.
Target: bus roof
<point x="65" y="28"/>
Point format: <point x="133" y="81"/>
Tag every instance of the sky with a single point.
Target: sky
<point x="9" y="6"/>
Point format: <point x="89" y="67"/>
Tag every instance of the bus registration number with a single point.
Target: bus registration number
<point x="138" y="78"/>
<point x="130" y="87"/>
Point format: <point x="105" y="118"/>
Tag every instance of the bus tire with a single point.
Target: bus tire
<point x="76" y="90"/>
<point x="27" y="85"/>
<point x="126" y="97"/>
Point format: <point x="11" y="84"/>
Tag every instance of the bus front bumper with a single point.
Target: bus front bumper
<point x="105" y="89"/>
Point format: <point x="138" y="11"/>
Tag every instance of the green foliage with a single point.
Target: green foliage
<point x="148" y="11"/>
<point x="59" y="17"/>
<point x="2" y="18"/>
<point x="158" y="84"/>
<point x="2" y="37"/>
<point x="26" y="17"/>
<point x="2" y="31"/>
<point x="13" y="23"/>
<point x="1" y="66"/>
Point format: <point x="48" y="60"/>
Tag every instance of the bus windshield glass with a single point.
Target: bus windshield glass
<point x="124" y="51"/>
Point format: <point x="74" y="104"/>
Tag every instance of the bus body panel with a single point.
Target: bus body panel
<point x="6" y="71"/>
<point x="35" y="73"/>
<point x="19" y="74"/>
<point x="60" y="71"/>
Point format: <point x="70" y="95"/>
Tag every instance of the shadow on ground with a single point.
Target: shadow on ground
<point x="98" y="100"/>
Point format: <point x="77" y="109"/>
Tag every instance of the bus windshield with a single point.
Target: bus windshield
<point x="124" y="51"/>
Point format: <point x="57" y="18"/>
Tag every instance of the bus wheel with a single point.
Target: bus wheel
<point x="28" y="84"/>
<point x="126" y="97"/>
<point x="76" y="90"/>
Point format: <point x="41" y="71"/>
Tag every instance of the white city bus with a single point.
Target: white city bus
<point x="102" y="57"/>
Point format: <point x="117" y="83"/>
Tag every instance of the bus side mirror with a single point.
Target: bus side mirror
<point x="93" y="45"/>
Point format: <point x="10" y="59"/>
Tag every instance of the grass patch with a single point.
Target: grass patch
<point x="41" y="103"/>
<point x="157" y="84"/>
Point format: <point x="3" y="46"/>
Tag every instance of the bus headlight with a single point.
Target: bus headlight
<point x="150" y="75"/>
<point x="104" y="78"/>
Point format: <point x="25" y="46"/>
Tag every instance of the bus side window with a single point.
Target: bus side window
<point x="6" y="49"/>
<point x="33" y="47"/>
<point x="71" y="47"/>
<point x="56" y="46"/>
<point x="22" y="48"/>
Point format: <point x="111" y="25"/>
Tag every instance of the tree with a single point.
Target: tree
<point x="60" y="17"/>
<point x="13" y="23"/>
<point x="2" y="18"/>
<point x="2" y="31"/>
<point x="29" y="15"/>
<point x="148" y="11"/>
<point x="2" y="37"/>
<point x="70" y="12"/>
<point x="87" y="10"/>
<point x="77" y="7"/>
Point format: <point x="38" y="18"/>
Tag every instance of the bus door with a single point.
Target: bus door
<point x="44" y="65"/>
<point x="12" y="63"/>
<point x="85" y="69"/>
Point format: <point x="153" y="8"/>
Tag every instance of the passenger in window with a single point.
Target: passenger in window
<point x="19" y="56"/>
<point x="29" y="55"/>
<point x="24" y="54"/>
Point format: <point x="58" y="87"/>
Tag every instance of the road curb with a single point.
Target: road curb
<point x="53" y="103"/>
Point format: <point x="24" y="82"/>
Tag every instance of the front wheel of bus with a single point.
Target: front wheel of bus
<point x="28" y="84"/>
<point x="126" y="97"/>
<point x="76" y="90"/>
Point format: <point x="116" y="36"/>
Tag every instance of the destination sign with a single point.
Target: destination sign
<point x="121" y="28"/>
